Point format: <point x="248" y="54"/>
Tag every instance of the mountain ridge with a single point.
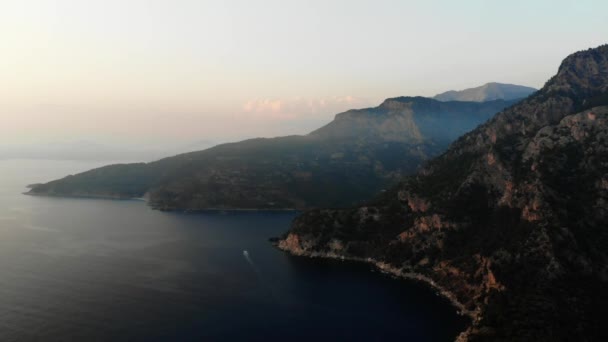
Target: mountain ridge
<point x="508" y="222"/>
<point x="353" y="156"/>
<point x="487" y="92"/>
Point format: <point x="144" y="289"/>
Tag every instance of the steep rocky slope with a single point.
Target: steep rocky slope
<point x="347" y="161"/>
<point x="510" y="222"/>
<point x="410" y="120"/>
<point x="487" y="92"/>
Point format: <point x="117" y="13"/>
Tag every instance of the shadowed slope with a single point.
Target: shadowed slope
<point x="510" y="222"/>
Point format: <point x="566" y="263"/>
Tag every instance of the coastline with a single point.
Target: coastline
<point x="144" y="199"/>
<point x="100" y="197"/>
<point x="229" y="210"/>
<point x="397" y="273"/>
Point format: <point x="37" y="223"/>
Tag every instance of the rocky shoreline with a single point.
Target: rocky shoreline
<point x="392" y="271"/>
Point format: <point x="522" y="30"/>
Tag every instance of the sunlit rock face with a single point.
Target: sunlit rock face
<point x="510" y="221"/>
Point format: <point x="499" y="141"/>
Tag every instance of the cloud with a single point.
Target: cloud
<point x="300" y="108"/>
<point x="267" y="108"/>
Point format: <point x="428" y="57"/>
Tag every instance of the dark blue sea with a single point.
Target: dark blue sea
<point x="102" y="270"/>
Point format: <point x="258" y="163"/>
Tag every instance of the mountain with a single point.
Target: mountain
<point x="356" y="155"/>
<point x="509" y="223"/>
<point x="487" y="92"/>
<point x="411" y="120"/>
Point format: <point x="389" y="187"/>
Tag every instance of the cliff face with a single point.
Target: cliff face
<point x="347" y="161"/>
<point x="510" y="221"/>
<point x="411" y="120"/>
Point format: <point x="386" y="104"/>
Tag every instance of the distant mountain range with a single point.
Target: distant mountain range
<point x="487" y="92"/>
<point x="510" y="223"/>
<point x="350" y="159"/>
<point x="81" y="149"/>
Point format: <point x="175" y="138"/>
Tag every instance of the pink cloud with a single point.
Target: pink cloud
<point x="300" y="107"/>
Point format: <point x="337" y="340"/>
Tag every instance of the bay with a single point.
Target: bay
<point x="104" y="270"/>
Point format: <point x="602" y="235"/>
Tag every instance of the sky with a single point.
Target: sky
<point x="150" y="73"/>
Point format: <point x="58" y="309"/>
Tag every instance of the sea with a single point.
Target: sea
<point x="116" y="270"/>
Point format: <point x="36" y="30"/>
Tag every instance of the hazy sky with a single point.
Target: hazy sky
<point x="159" y="71"/>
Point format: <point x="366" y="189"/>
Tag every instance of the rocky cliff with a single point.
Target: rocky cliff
<point x="412" y="120"/>
<point x="510" y="222"/>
